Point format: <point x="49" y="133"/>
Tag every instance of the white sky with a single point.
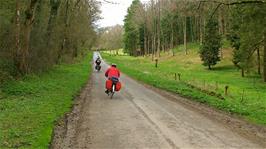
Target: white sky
<point x="113" y="14"/>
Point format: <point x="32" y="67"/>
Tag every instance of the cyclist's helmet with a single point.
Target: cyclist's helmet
<point x="113" y="65"/>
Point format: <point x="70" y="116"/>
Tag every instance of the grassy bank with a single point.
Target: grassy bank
<point x="246" y="96"/>
<point x="30" y="107"/>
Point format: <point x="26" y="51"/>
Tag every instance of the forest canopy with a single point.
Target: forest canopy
<point x="37" y="34"/>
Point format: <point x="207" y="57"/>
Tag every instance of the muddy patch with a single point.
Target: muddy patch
<point x="65" y="131"/>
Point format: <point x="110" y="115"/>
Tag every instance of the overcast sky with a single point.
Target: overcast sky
<point x="113" y="14"/>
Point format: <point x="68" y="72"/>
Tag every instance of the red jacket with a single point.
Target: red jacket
<point x="112" y="72"/>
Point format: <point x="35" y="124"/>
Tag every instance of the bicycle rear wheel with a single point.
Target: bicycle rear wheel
<point x="113" y="91"/>
<point x="111" y="95"/>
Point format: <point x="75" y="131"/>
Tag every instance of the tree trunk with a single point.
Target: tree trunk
<point x="17" y="53"/>
<point x="75" y="52"/>
<point x="201" y="30"/>
<point x="53" y="14"/>
<point x="220" y="21"/>
<point x="153" y="34"/>
<point x="65" y="39"/>
<point x="223" y="25"/>
<point x="145" y="42"/>
<point x="242" y="72"/>
<point x="145" y="33"/>
<point x="258" y="59"/>
<point x="30" y="14"/>
<point x="197" y="35"/>
<point x="159" y="30"/>
<point x="148" y="46"/>
<point x="153" y="47"/>
<point x="172" y="38"/>
<point x="222" y="54"/>
<point x="185" y="34"/>
<point x="264" y="58"/>
<point x="191" y="29"/>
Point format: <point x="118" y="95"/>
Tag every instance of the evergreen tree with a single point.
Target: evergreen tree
<point x="132" y="29"/>
<point x="246" y="34"/>
<point x="234" y="38"/>
<point x="209" y="52"/>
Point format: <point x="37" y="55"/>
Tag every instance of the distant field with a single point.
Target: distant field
<point x="115" y="52"/>
<point x="29" y="108"/>
<point x="246" y="96"/>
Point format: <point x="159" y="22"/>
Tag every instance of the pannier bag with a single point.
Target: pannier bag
<point x="108" y="84"/>
<point x="118" y="86"/>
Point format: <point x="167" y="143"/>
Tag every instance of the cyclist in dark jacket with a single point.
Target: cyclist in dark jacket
<point x="98" y="61"/>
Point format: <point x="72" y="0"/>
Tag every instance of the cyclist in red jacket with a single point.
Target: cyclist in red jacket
<point x="112" y="74"/>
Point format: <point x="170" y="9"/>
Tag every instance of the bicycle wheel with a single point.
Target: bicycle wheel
<point x="113" y="91"/>
<point x="112" y="94"/>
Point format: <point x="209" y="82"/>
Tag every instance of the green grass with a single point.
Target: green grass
<point x="251" y="107"/>
<point x="29" y="108"/>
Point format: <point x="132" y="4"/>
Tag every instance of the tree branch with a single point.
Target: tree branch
<point x="253" y="48"/>
<point x="77" y="3"/>
<point x="106" y="1"/>
<point x="220" y="3"/>
<point x="218" y="6"/>
<point x="235" y="3"/>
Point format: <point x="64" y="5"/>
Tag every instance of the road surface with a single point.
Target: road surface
<point x="139" y="117"/>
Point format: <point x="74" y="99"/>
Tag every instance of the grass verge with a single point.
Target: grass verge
<point x="30" y="107"/>
<point x="246" y="96"/>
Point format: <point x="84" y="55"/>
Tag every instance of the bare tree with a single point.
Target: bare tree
<point x="23" y="65"/>
<point x="18" y="48"/>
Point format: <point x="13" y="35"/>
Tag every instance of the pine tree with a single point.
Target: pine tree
<point x="132" y="29"/>
<point x="234" y="38"/>
<point x="246" y="35"/>
<point x="209" y="52"/>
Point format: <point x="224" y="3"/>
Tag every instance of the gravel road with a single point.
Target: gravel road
<point x="140" y="117"/>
